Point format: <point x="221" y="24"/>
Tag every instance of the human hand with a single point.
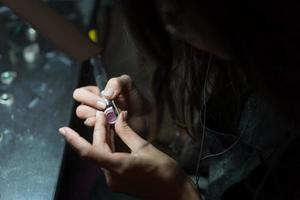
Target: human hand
<point x="120" y="89"/>
<point x="145" y="172"/>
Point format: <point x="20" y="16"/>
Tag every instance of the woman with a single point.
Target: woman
<point x="228" y="72"/>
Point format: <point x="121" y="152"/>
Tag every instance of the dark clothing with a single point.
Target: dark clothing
<point x="264" y="162"/>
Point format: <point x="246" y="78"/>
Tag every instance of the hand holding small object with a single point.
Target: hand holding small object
<point x="145" y="172"/>
<point x="124" y="93"/>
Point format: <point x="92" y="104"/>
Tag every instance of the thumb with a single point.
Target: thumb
<point x="127" y="135"/>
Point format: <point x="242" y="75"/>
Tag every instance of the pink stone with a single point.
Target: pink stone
<point x="110" y="115"/>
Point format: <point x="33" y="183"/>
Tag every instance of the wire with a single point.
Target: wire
<point x="222" y="152"/>
<point x="204" y="122"/>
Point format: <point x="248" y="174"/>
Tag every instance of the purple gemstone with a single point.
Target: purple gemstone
<point x="110" y="115"/>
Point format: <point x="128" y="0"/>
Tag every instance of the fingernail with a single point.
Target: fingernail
<point x="101" y="104"/>
<point x="87" y="122"/>
<point x="107" y="92"/>
<point x="125" y="114"/>
<point x="62" y="131"/>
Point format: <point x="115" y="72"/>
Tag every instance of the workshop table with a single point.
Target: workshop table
<point x="35" y="100"/>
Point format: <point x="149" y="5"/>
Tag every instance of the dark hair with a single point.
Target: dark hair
<point x="264" y="39"/>
<point x="181" y="73"/>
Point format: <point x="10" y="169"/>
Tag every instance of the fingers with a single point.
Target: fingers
<point x="84" y="112"/>
<point x="97" y="153"/>
<point x="89" y="95"/>
<point x="117" y="85"/>
<point x="90" y="121"/>
<point x="93" y="89"/>
<point x="76" y="141"/>
<point x="99" y="136"/>
<point x="127" y="135"/>
<point x="85" y="96"/>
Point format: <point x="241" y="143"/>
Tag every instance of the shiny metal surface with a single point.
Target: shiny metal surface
<point x="31" y="150"/>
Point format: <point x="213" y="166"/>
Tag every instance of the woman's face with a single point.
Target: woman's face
<point x="195" y="23"/>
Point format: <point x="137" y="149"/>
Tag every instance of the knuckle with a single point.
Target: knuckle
<point x="95" y="90"/>
<point x="115" y="83"/>
<point x="70" y="140"/>
<point x="128" y="80"/>
<point x="146" y="146"/>
<point x="126" y="77"/>
<point x="124" y="128"/>
<point x="84" y="152"/>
